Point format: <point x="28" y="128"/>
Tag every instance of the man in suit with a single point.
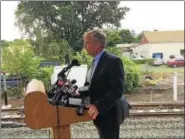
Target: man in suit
<point x="107" y="107"/>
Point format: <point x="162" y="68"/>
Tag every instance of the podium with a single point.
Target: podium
<point x="40" y="114"/>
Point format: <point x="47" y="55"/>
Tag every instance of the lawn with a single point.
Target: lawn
<point x="159" y="69"/>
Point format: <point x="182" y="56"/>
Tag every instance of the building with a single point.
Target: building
<point x="127" y="49"/>
<point x="160" y="44"/>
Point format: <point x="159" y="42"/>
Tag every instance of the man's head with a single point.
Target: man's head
<point x="94" y="42"/>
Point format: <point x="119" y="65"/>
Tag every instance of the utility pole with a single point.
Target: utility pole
<point x="0" y="71"/>
<point x="175" y="86"/>
<point x="0" y="85"/>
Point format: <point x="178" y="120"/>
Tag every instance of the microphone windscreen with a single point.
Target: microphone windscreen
<point x="86" y="83"/>
<point x="73" y="81"/>
<point x="75" y="62"/>
<point x="60" y="83"/>
<point x="75" y="87"/>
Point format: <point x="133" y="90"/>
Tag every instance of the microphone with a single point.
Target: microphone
<point x="73" y="81"/>
<point x="84" y="90"/>
<point x="70" y="83"/>
<point x="86" y="84"/>
<point x="73" y="90"/>
<point x="60" y="83"/>
<point x="74" y="62"/>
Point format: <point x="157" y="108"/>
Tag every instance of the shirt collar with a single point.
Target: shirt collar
<point x="97" y="57"/>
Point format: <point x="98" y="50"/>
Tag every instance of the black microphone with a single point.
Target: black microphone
<point x="73" y="81"/>
<point x="84" y="90"/>
<point x="86" y="84"/>
<point x="75" y="87"/>
<point x="74" y="62"/>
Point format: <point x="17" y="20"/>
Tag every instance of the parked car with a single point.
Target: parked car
<point x="165" y="61"/>
<point x="157" y="62"/>
<point x="10" y="81"/>
<point x="176" y="62"/>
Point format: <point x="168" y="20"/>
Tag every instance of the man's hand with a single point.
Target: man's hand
<point x="93" y="112"/>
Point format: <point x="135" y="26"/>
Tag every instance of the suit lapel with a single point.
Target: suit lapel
<point x="99" y="66"/>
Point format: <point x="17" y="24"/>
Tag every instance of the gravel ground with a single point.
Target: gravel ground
<point x="170" y="127"/>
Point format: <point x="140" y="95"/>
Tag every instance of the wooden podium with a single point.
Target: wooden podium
<point x="40" y="114"/>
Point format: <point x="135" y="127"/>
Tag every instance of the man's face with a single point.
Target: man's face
<point x="90" y="45"/>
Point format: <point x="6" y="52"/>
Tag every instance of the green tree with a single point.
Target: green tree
<point x="4" y="43"/>
<point x="126" y="36"/>
<point x="18" y="58"/>
<point x="83" y="57"/>
<point x="113" y="37"/>
<point x="66" y="20"/>
<point x="114" y="50"/>
<point x="138" y="38"/>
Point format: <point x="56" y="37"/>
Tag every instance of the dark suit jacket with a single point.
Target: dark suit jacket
<point x="106" y="90"/>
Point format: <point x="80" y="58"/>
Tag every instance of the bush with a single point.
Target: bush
<point x="131" y="75"/>
<point x="44" y="74"/>
<point x="144" y="61"/>
<point x="83" y="58"/>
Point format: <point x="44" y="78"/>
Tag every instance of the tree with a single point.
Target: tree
<point x="18" y="59"/>
<point x="127" y="36"/>
<point x="113" y="37"/>
<point x="138" y="38"/>
<point x="66" y="20"/>
<point x="4" y="43"/>
<point x="114" y="50"/>
<point x="83" y="57"/>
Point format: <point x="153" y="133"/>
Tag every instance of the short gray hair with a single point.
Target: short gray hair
<point x="98" y="35"/>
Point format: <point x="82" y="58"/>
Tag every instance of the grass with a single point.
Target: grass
<point x="159" y="69"/>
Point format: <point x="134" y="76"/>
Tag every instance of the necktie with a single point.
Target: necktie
<point x="90" y="72"/>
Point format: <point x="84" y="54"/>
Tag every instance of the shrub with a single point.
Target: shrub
<point x="83" y="58"/>
<point x="44" y="74"/>
<point x="131" y="75"/>
<point x="144" y="61"/>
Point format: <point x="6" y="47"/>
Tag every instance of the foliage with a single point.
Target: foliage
<point x="131" y="75"/>
<point x="144" y="61"/>
<point x="19" y="59"/>
<point x="113" y="37"/>
<point x="126" y="36"/>
<point x="55" y="20"/>
<point x="56" y="50"/>
<point x="4" y="43"/>
<point x="138" y="38"/>
<point x="123" y="36"/>
<point x="83" y="58"/>
<point x="114" y="50"/>
<point x="44" y="74"/>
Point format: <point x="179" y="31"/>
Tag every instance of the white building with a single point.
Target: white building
<point x="127" y="49"/>
<point x="160" y="44"/>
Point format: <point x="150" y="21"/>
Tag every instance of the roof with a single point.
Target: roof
<point x="164" y="36"/>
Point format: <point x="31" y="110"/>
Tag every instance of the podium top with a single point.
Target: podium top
<point x="39" y="113"/>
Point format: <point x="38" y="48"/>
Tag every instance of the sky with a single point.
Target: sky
<point x="143" y="16"/>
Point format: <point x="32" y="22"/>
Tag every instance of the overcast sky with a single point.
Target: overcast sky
<point x="143" y="15"/>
